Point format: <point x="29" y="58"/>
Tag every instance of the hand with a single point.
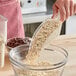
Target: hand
<point x="65" y="7"/>
<point x="18" y="1"/>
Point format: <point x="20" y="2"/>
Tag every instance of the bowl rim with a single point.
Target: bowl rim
<point x="30" y="67"/>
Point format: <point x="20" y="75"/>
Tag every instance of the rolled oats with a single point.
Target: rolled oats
<point x="45" y="30"/>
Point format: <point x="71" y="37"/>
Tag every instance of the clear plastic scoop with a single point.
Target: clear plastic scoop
<point x="56" y="18"/>
<point x="45" y="33"/>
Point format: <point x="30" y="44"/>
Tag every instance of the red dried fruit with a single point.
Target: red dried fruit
<point x="18" y="41"/>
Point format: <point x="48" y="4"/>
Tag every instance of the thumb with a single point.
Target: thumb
<point x="55" y="11"/>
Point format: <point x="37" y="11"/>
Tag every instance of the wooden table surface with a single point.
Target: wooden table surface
<point x="68" y="42"/>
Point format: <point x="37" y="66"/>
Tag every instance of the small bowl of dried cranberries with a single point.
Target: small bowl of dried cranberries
<point x="14" y="42"/>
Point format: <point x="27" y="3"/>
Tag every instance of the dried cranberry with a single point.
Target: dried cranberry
<point x="18" y="41"/>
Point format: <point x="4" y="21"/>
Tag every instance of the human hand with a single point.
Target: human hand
<point x="65" y="7"/>
<point x="18" y="1"/>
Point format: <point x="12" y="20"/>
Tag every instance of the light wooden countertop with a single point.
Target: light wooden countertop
<point x="68" y="42"/>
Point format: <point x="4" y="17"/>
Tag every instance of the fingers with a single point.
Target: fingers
<point x="61" y="9"/>
<point x="62" y="14"/>
<point x="55" y="11"/>
<point x="71" y="7"/>
<point x="59" y="6"/>
<point x="67" y="7"/>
